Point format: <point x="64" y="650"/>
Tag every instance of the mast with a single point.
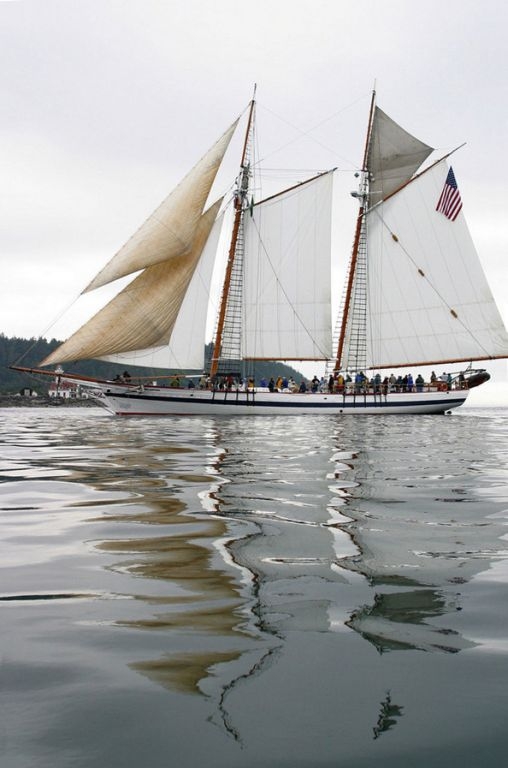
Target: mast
<point x="356" y="242"/>
<point x="240" y="203"/>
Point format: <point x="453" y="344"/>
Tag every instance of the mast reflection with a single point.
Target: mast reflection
<point x="255" y="539"/>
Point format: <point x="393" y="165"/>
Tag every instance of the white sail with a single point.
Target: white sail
<point x="428" y="299"/>
<point x="144" y="314"/>
<point x="170" y="230"/>
<point x="394" y="156"/>
<point x="287" y="306"/>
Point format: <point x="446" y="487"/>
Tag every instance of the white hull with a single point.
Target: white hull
<point x="160" y="401"/>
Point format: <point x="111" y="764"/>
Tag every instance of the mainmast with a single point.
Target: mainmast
<point x="240" y="204"/>
<point x="358" y="239"/>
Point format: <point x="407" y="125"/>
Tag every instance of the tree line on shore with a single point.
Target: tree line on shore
<point x="29" y="353"/>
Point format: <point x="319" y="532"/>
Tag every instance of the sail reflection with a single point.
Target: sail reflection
<point x="400" y="621"/>
<point x="416" y="545"/>
<point x="388" y="714"/>
<point x="238" y="547"/>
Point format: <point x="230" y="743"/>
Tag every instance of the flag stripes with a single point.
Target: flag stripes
<point x="450" y="203"/>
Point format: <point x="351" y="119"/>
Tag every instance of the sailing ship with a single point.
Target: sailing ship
<point x="415" y="293"/>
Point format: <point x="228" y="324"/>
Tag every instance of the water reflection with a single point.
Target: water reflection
<point x="400" y="621"/>
<point x="388" y="714"/>
<point x="286" y="529"/>
<point x="226" y="539"/>
<point x="282" y="529"/>
<point x="416" y="545"/>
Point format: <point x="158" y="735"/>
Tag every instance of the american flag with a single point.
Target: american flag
<point x="450" y="203"/>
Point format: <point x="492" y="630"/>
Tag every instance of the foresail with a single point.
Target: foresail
<point x="393" y="156"/>
<point x="428" y="298"/>
<point x="143" y="314"/>
<point x="185" y="349"/>
<point x="170" y="231"/>
<point x="287" y="309"/>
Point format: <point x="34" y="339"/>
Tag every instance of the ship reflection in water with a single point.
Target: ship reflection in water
<point x="387" y="716"/>
<point x="314" y="537"/>
<point x="400" y="621"/>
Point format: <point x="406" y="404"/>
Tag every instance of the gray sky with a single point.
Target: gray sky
<point x="107" y="103"/>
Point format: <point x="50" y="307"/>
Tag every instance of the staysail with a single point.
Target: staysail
<point x="143" y="314"/>
<point x="169" y="232"/>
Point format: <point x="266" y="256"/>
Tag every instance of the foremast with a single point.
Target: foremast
<point x="354" y="309"/>
<point x="233" y="275"/>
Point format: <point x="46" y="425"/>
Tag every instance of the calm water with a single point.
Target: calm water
<point x="253" y="592"/>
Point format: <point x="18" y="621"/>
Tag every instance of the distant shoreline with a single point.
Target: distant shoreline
<point x="20" y="401"/>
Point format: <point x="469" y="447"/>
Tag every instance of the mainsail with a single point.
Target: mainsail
<point x="287" y="280"/>
<point x="428" y="299"/>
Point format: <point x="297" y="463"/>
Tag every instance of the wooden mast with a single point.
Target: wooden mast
<point x="356" y="244"/>
<point x="240" y="197"/>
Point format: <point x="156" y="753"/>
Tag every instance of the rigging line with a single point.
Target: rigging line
<point x="317" y="125"/>
<point x="308" y="134"/>
<point x="53" y="322"/>
<point x="422" y="274"/>
<point x="302" y="325"/>
<point x="291" y="171"/>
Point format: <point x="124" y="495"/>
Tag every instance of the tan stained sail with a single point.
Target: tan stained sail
<point x="185" y="349"/>
<point x="143" y="314"/>
<point x="393" y="156"/>
<point x="170" y="230"/>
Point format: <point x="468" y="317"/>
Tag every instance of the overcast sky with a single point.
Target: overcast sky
<point x="105" y="104"/>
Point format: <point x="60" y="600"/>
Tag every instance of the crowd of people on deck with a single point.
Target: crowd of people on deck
<point x="338" y="383"/>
